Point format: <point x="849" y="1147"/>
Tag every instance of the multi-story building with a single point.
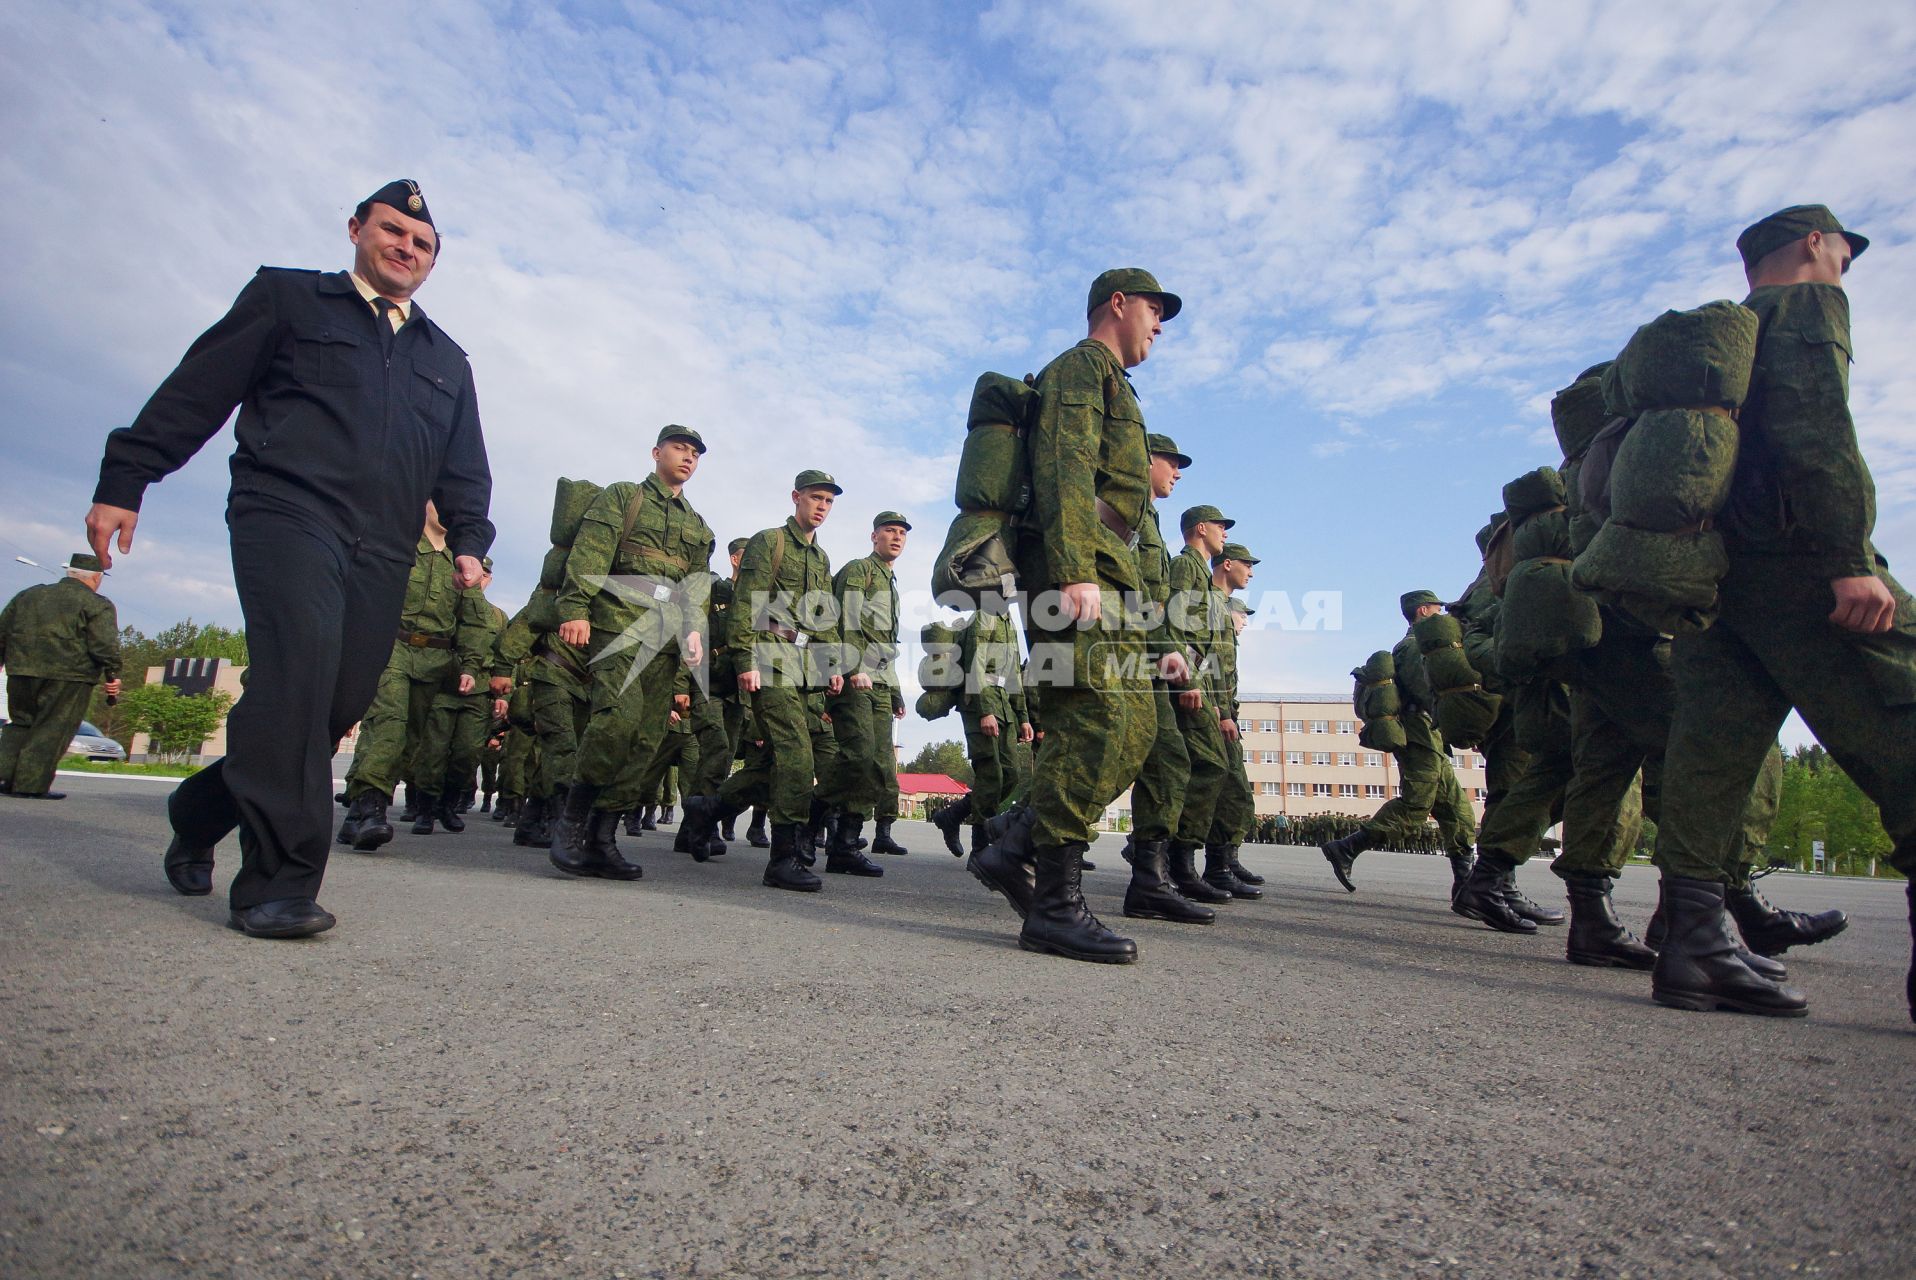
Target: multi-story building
<point x="1302" y="757"/>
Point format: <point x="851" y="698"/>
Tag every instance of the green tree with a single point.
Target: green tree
<point x="1821" y="802"/>
<point x="946" y="757"/>
<point x="138" y="652"/>
<point x="177" y="724"/>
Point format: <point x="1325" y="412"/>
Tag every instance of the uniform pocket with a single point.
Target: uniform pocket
<point x="325" y="356"/>
<point x="433" y="396"/>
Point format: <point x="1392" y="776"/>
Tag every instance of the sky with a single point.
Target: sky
<point x="1398" y="228"/>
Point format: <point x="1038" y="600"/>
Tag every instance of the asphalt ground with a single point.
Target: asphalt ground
<point x="489" y="1069"/>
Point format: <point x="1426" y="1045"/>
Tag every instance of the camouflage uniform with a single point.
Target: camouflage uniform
<point x="637" y="622"/>
<point x="57" y="640"/>
<point x="994" y="686"/>
<point x="456" y="728"/>
<point x="1429" y="786"/>
<point x="766" y="632"/>
<point x="1202" y="621"/>
<point x="1236" y="810"/>
<point x="1157" y="797"/>
<point x="864" y="777"/>
<point x="425" y="661"/>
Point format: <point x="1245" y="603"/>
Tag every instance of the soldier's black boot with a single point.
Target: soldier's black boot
<point x="1481" y="896"/>
<point x="1460" y="865"/>
<point x="727" y="832"/>
<point x="978" y="838"/>
<point x="1654" y="932"/>
<point x="634" y="824"/>
<point x="424" y="807"/>
<point x="1218" y="873"/>
<point x="1769" y="931"/>
<point x="1698" y="966"/>
<point x="1151" y="895"/>
<point x="882" y="841"/>
<point x="1005" y="864"/>
<point x="648" y="819"/>
<point x="1596" y="937"/>
<point x="602" y="846"/>
<point x="665" y="815"/>
<point x="449" y="816"/>
<point x="373" y="829"/>
<point x="815" y="832"/>
<point x="841" y="855"/>
<point x="949" y="820"/>
<point x="571" y="852"/>
<point x="1181" y="865"/>
<point x="699" y="828"/>
<point x="1059" y="923"/>
<point x="1241" y="871"/>
<point x="784" y="870"/>
<point x="1535" y="912"/>
<point x="755" y="830"/>
<point x="408" y="811"/>
<point x="349" y="825"/>
<point x="462" y="802"/>
<point x="1342" y="853"/>
<point x="527" y="821"/>
<point x="485" y="803"/>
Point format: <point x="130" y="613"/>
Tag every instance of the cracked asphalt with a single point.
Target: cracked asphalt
<point x="489" y="1069"/>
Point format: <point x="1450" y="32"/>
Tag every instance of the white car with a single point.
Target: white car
<point x="94" y="745"/>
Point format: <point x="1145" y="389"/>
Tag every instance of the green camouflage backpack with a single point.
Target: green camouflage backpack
<point x="939" y="671"/>
<point x="993" y="492"/>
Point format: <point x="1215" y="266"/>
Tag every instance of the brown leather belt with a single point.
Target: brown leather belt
<point x="1109" y="517"/>
<point x="420" y="640"/>
<point x="790" y="635"/>
<point x="555" y="654"/>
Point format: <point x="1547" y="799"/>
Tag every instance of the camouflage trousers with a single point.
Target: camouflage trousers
<point x="628" y="721"/>
<point x="863" y="777"/>
<point x="455" y="738"/>
<point x="1210" y="770"/>
<point x="994" y="759"/>
<point x="1430" y="789"/>
<point x="1098" y="726"/>
<point x="394" y="727"/>
<point x="520" y="774"/>
<point x="1773" y="648"/>
<point x="1236" y="804"/>
<point x="1157" y="797"/>
<point x="559" y="717"/>
<point x="779" y="773"/>
<point x="715" y="750"/>
<point x="1526" y="788"/>
<point x="44" y="716"/>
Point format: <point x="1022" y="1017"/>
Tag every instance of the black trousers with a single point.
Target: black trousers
<point x="320" y="617"/>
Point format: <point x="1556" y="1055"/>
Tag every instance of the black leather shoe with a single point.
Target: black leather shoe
<point x="283" y="918"/>
<point x="1151" y="895"/>
<point x="1218" y="874"/>
<point x="1180" y="864"/>
<point x="1342" y="853"/>
<point x="1059" y="923"/>
<point x="1481" y="896"/>
<point x="1770" y="931"/>
<point x="1596" y="937"/>
<point x="1698" y="966"/>
<point x="189" y="870"/>
<point x="950" y="820"/>
<point x="783" y="869"/>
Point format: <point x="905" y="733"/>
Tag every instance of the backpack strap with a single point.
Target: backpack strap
<point x="632" y="513"/>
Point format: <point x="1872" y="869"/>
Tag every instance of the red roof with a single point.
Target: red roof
<point x="931" y="784"/>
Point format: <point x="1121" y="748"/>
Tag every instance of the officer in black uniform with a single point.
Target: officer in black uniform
<point x="354" y="409"/>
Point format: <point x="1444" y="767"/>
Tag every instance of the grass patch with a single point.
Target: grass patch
<point x="80" y="764"/>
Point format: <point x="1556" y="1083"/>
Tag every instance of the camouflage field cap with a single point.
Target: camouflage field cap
<point x="1195" y="516"/>
<point x="1168" y="447"/>
<point x="403" y="194"/>
<point x="813" y="478"/>
<point x="1237" y="605"/>
<point x="485" y="562"/>
<point x="735" y="546"/>
<point x="1411" y="601"/>
<point x="884" y="518"/>
<point x="1234" y="551"/>
<point x="1131" y="280"/>
<point x="1786" y="226"/>
<point x="85" y="562"/>
<point x="673" y="431"/>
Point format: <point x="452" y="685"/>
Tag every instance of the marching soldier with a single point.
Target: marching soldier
<point x="1231" y="572"/>
<point x="991" y="705"/>
<point x="57" y="640"/>
<point x="865" y="772"/>
<point x="455" y="735"/>
<point x="1197" y="612"/>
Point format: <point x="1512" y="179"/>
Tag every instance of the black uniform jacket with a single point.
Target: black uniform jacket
<point x="330" y="421"/>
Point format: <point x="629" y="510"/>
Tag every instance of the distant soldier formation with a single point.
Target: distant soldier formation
<point x="1643" y="618"/>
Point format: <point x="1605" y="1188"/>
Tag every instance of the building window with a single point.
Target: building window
<point x="1268" y="788"/>
<point x="1344" y="727"/>
<point x="1373" y="760"/>
<point x="1347" y="789"/>
<point x="1373" y="791"/>
<point x="1295" y="788"/>
<point x="1293" y="726"/>
<point x="1347" y="758"/>
<point x="1398" y="790"/>
<point x="1320" y="726"/>
<point x="1267" y="726"/>
<point x="1320" y="757"/>
<point x="1294" y="757"/>
<point x="1480" y="793"/>
<point x="1321" y="789"/>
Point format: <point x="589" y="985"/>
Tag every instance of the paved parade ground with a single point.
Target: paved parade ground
<point x="489" y="1069"/>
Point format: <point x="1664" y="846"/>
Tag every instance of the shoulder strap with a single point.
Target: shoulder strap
<point x="778" y="553"/>
<point x="632" y="512"/>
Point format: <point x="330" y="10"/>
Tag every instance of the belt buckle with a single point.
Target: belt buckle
<point x="418" y="639"/>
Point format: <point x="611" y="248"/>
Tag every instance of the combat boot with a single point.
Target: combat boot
<point x="1059" y="923"/>
<point x="529" y="818"/>
<point x="1535" y="912"/>
<point x="882" y="841"/>
<point x="571" y="852"/>
<point x="1698" y="966"/>
<point x="1005" y="865"/>
<point x="1181" y="865"/>
<point x="647" y="819"/>
<point x="841" y="855"/>
<point x="978" y="838"/>
<point x="463" y="802"/>
<point x="698" y="831"/>
<point x="665" y="815"/>
<point x="1460" y="865"/>
<point x="485" y="803"/>
<point x="408" y="811"/>
<point x="755" y="830"/>
<point x="714" y="847"/>
<point x="1342" y="853"/>
<point x="1151" y="896"/>
<point x="1241" y="871"/>
<point x="1769" y="931"/>
<point x="1654" y="932"/>
<point x="1596" y="937"/>
<point x="425" y="807"/>
<point x="349" y="825"/>
<point x="373" y="829"/>
<point x="1481" y="896"/>
<point x="784" y="870"/>
<point x="1762" y="966"/>
<point x="1218" y="873"/>
<point x="727" y="831"/>
<point x="816" y="831"/>
<point x="634" y="824"/>
<point x="949" y="819"/>
<point x="449" y="817"/>
<point x="602" y="846"/>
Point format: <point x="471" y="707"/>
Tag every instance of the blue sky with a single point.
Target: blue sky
<point x="1398" y="229"/>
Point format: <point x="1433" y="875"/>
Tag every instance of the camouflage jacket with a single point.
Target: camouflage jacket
<point x="994" y="679"/>
<point x="867" y="592"/>
<point x="61" y="630"/>
<point x="1802" y="487"/>
<point x="657" y="571"/>
<point x="1086" y="446"/>
<point x="784" y="588"/>
<point x="432" y="601"/>
<point x="1154" y="578"/>
<point x="1199" y="619"/>
<point x="1420" y="702"/>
